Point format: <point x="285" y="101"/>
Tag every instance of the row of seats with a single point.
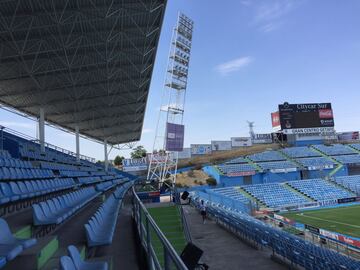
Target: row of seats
<point x="89" y="180"/>
<point x="13" y="191"/>
<point x="101" y="226"/>
<point x="56" y="210"/>
<point x="11" y="247"/>
<point x="275" y="194"/>
<point x="295" y="249"/>
<point x="74" y="262"/>
<point x="320" y="190"/>
<point x="300" y="151"/>
<point x="234" y="168"/>
<point x="316" y="163"/>
<point x="231" y="192"/>
<point x="267" y="156"/>
<point x="348" y="159"/>
<point x="238" y="160"/>
<point x="21" y="173"/>
<point x="335" y="149"/>
<point x="16" y="163"/>
<point x="350" y="182"/>
<point x="73" y="173"/>
<point x="104" y="186"/>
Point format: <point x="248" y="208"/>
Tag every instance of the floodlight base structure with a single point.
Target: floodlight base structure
<point x="163" y="163"/>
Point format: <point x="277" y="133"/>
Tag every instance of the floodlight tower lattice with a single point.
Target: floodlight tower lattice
<point x="163" y="163"/>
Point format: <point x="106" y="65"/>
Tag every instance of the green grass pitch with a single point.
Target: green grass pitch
<point x="345" y="220"/>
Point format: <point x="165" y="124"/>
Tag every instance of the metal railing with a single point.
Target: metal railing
<point x="48" y="145"/>
<point x="148" y="231"/>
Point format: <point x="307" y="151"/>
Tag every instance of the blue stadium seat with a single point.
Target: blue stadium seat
<point x="82" y="265"/>
<point x="6" y="190"/>
<point x="66" y="263"/>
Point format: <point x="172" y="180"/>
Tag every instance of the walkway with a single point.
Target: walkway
<point x="222" y="250"/>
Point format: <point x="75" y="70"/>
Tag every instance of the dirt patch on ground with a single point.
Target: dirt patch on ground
<point x="192" y="178"/>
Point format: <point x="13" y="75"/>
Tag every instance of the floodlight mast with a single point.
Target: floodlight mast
<point x="163" y="163"/>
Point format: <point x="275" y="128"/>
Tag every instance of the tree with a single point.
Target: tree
<point x="138" y="152"/>
<point x="118" y="160"/>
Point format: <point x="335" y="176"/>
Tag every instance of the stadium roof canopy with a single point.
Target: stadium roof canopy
<point x="88" y="63"/>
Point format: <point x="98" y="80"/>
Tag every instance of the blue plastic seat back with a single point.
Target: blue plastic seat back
<point x="75" y="256"/>
<point x="22" y="187"/>
<point x="66" y="263"/>
<point x="15" y="188"/>
<point x="6" y="190"/>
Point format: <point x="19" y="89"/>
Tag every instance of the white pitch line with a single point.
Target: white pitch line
<point x="350" y="225"/>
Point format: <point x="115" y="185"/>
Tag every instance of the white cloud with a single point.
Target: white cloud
<point x="13" y="124"/>
<point x="233" y="65"/>
<point x="268" y="15"/>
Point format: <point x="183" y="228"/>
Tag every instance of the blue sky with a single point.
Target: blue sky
<point x="247" y="57"/>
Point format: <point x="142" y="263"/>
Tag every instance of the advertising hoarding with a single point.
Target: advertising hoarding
<point x="303" y="116"/>
<point x="240" y="142"/>
<point x="348" y="136"/>
<point x="262" y="138"/>
<point x="135" y="164"/>
<point x="233" y="174"/>
<point x="220" y="145"/>
<point x="200" y="149"/>
<point x="275" y="121"/>
<point x="174" y="137"/>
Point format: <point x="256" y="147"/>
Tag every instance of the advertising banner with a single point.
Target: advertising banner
<point x="174" y="137"/>
<point x="348" y="136"/>
<point x="135" y="164"/>
<point x="240" y="142"/>
<point x="200" y="149"/>
<point x="262" y="138"/>
<point x="275" y="121"/>
<point x="232" y="174"/>
<point x="320" y="167"/>
<point x="220" y="145"/>
<point x="312" y="229"/>
<point x="320" y="130"/>
<point x="300" y="116"/>
<point x="284" y="170"/>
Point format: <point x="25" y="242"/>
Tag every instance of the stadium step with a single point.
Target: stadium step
<point x="169" y="221"/>
<point x="36" y="257"/>
<point x="286" y="185"/>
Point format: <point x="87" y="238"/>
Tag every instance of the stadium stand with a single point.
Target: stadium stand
<point x="355" y="146"/>
<point x="101" y="227"/>
<point x="267" y="156"/>
<point x="231" y="192"/>
<point x="333" y="150"/>
<point x="275" y="195"/>
<point x="295" y="249"/>
<point x="57" y="210"/>
<point x="316" y="162"/>
<point x="234" y="168"/>
<point x="350" y="182"/>
<point x="299" y="152"/>
<point x="348" y="159"/>
<point x="320" y="190"/>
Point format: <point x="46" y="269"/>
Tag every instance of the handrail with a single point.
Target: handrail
<point x="49" y="145"/>
<point x="143" y="226"/>
<point x="185" y="225"/>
